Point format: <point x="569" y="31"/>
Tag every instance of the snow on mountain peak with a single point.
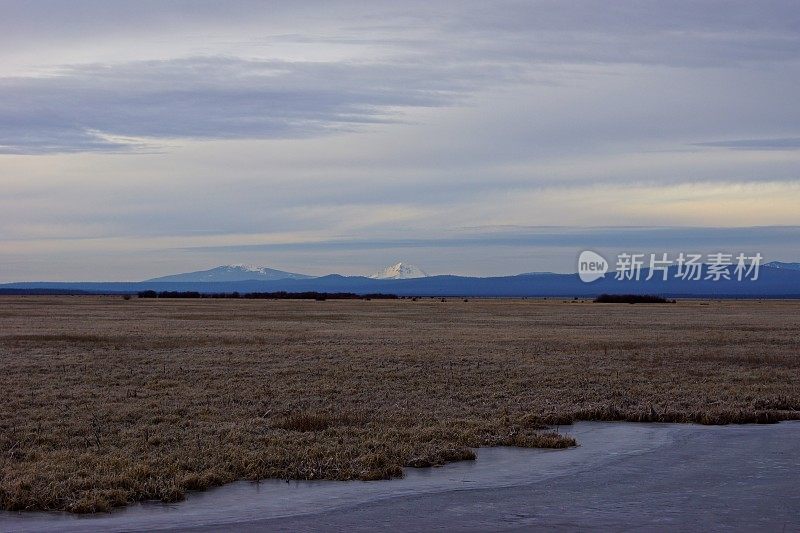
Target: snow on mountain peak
<point x="246" y="268"/>
<point x="399" y="271"/>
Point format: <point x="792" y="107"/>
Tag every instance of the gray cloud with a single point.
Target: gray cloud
<point x="682" y="33"/>
<point x="791" y="143"/>
<point x="428" y="55"/>
<point x="632" y="238"/>
<point x="83" y="108"/>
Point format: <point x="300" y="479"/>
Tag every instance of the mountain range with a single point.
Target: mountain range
<point x="773" y="282"/>
<point x="250" y="272"/>
<point x="232" y="273"/>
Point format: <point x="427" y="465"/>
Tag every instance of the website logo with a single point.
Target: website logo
<point x="591" y="266"/>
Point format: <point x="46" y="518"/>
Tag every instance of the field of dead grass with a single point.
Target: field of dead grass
<point x="105" y="401"/>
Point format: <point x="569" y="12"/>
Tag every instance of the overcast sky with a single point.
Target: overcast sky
<point x="145" y="138"/>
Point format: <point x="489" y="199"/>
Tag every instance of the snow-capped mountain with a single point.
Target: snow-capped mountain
<point x="233" y="273"/>
<point x="400" y="271"/>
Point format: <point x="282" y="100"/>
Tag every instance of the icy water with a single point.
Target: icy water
<point x="640" y="477"/>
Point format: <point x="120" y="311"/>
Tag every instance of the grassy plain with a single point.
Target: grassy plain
<point x="105" y="401"/>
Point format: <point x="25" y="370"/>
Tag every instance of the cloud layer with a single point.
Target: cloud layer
<point x="137" y="139"/>
<point x="421" y="55"/>
<point x="102" y="107"/>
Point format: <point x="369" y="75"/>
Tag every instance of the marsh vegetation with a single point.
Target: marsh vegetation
<point x="107" y="401"/>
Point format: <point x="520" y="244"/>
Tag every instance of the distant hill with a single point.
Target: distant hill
<point x="5" y="291"/>
<point x="232" y="273"/>
<point x="772" y="283"/>
<point x="781" y="264"/>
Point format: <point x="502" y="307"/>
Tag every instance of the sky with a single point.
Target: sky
<point x="140" y="139"/>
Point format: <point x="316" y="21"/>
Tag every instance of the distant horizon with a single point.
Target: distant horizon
<point x="363" y="273"/>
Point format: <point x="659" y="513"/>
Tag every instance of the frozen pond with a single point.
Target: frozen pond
<point x="622" y="476"/>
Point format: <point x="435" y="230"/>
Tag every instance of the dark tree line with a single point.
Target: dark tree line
<point x="631" y="299"/>
<point x="280" y="295"/>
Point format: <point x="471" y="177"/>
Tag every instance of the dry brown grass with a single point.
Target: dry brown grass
<point x="106" y="401"/>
